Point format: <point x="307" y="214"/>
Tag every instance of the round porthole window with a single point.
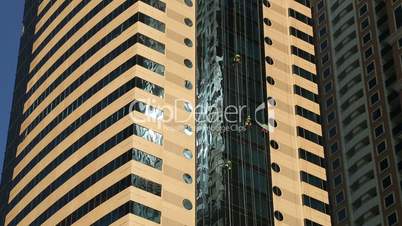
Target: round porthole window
<point x="270" y="80"/>
<point x="271" y="102"/>
<point x="188" y="107"/>
<point x="187" y="154"/>
<point x="188" y="84"/>
<point x="188" y="42"/>
<point x="187" y="204"/>
<point x="187" y="178"/>
<point x="188" y="22"/>
<point x="274" y="144"/>
<point x="189" y="3"/>
<point x="277" y="191"/>
<point x="269" y="60"/>
<point x="267" y="4"/>
<point x="275" y="167"/>
<point x="188" y="130"/>
<point x="188" y="63"/>
<point x="268" y="40"/>
<point x="278" y="215"/>
<point x="267" y="22"/>
<point x="272" y="122"/>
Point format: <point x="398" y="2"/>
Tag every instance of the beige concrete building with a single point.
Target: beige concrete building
<point x="107" y="116"/>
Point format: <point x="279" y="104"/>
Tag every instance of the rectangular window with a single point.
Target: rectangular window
<point x="304" y="2"/>
<point x="303" y="54"/>
<point x="386" y="182"/>
<point x="301" y="17"/>
<point x="308" y="135"/>
<point x="363" y="9"/>
<point x="301" y="35"/>
<point x="365" y="23"/>
<point x="313" y="180"/>
<point x="306" y="93"/>
<point x="315" y="204"/>
<point x="304" y="73"/>
<point x="398" y="17"/>
<point x="308" y="114"/>
<point x="341" y="215"/>
<point x="312" y="158"/>
<point x="308" y="222"/>
<point x="389" y="200"/>
<point x="366" y="38"/>
<point x="384" y="164"/>
<point x="340" y="197"/>
<point x="392" y="219"/>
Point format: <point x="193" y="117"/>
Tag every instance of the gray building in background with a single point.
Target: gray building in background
<point x="358" y="49"/>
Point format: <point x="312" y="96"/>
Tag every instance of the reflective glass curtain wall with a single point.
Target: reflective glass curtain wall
<point x="233" y="176"/>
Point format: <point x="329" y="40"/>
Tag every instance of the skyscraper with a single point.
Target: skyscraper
<point x="166" y="113"/>
<point x="253" y="52"/>
<point x="359" y="45"/>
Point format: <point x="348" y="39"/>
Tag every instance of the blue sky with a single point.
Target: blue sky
<point x="11" y="23"/>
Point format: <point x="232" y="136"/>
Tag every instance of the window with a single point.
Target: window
<point x="384" y="164"/>
<point x="372" y="83"/>
<point x="368" y="53"/>
<point x="315" y="204"/>
<point x="341" y="215"/>
<point x="303" y="54"/>
<point x="337" y="180"/>
<point x="386" y="182"/>
<point x="332" y="132"/>
<point x="313" y="180"/>
<point x="366" y="38"/>
<point x="389" y="200"/>
<point x="340" y="197"/>
<point x="323" y="31"/>
<point x="306" y="93"/>
<point x="398" y="16"/>
<point x="323" y="45"/>
<point x="374" y="98"/>
<point x="334" y="148"/>
<point x="336" y="164"/>
<point x="304" y="2"/>
<point x="365" y="23"/>
<point x="325" y="58"/>
<point x="308" y="114"/>
<point x="304" y="73"/>
<point x="381" y="147"/>
<point x="328" y="87"/>
<point x="299" y="16"/>
<point x="326" y="72"/>
<point x="321" y="18"/>
<point x="392" y="219"/>
<point x="278" y="215"/>
<point x="379" y="130"/>
<point x="308" y="222"/>
<point x="308" y="135"/>
<point x="301" y="35"/>
<point x="312" y="158"/>
<point x="376" y="114"/>
<point x="370" y="68"/>
<point x="363" y="9"/>
<point x="331" y="116"/>
<point x="329" y="101"/>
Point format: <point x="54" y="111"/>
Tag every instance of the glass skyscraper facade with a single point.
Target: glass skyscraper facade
<point x="166" y="112"/>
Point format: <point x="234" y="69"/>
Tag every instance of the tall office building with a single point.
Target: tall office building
<point x="359" y="47"/>
<point x="251" y="52"/>
<point x="76" y="152"/>
<point x="178" y="112"/>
